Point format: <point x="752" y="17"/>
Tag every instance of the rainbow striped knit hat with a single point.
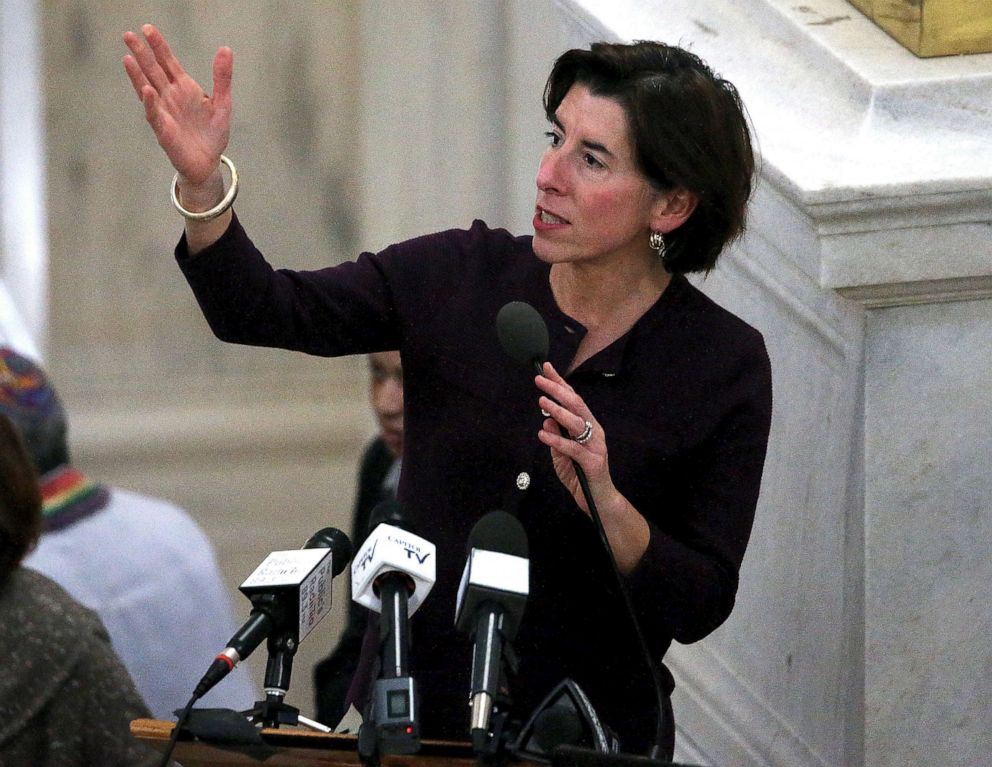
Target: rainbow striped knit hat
<point x="30" y="401"/>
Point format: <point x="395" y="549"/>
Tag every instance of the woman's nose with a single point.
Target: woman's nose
<point x="549" y="172"/>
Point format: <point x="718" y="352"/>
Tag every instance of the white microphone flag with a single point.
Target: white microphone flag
<point x="392" y="549"/>
<point x="308" y="570"/>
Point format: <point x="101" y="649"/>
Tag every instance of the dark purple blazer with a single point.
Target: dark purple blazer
<point x="684" y="398"/>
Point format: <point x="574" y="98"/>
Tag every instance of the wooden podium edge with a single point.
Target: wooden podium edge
<point x="295" y="747"/>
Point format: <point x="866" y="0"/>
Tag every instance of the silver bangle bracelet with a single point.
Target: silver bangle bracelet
<point x="217" y="209"/>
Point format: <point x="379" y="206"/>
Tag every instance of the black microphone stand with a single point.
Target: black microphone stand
<point x="492" y="746"/>
<point x="390" y="724"/>
<point x="281" y="644"/>
<point x="273" y="710"/>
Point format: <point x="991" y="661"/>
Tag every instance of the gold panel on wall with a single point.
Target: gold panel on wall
<point x="934" y="27"/>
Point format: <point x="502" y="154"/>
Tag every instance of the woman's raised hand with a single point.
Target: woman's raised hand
<point x="191" y="126"/>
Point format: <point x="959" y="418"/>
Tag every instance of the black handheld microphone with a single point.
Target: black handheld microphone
<point x="289" y="587"/>
<point x="491" y="601"/>
<point x="524" y="336"/>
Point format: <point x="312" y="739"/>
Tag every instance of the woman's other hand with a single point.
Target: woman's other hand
<point x="569" y="414"/>
<point x="191" y="126"/>
<point x="626" y="529"/>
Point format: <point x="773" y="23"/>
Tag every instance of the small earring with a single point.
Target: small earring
<point x="657" y="243"/>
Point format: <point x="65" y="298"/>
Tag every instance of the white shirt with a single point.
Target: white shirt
<point x="150" y="573"/>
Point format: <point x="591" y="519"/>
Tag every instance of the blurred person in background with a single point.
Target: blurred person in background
<point x="378" y="477"/>
<point x="142" y="564"/>
<point x="66" y="699"/>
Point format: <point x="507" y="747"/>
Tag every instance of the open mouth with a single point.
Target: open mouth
<point x="549" y="218"/>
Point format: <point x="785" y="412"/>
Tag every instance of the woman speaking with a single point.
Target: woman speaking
<point x="661" y="397"/>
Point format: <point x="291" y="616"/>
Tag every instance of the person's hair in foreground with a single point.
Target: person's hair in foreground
<point x="688" y="129"/>
<point x="68" y="699"/>
<point x="20" y="500"/>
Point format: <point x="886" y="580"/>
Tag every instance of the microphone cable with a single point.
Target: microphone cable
<point x="653" y="753"/>
<point x="174" y="737"/>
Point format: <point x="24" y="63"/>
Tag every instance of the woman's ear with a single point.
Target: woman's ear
<point x="672" y="209"/>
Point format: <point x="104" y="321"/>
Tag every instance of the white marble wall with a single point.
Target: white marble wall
<point x="787" y="653"/>
<point x="928" y="528"/>
<point x="451" y="122"/>
<point x="121" y="316"/>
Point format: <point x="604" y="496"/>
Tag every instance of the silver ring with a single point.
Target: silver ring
<point x="586" y="434"/>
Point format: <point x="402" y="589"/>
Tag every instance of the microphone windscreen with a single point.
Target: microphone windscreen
<point x="335" y="540"/>
<point x="389" y="512"/>
<point x="522" y="333"/>
<point x="500" y="532"/>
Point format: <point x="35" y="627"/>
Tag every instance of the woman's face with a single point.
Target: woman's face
<point x="592" y="204"/>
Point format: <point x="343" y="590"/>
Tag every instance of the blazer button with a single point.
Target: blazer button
<point x="523" y="480"/>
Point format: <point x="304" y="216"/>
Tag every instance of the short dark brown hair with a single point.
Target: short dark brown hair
<point x="688" y="128"/>
<point x="20" y="500"/>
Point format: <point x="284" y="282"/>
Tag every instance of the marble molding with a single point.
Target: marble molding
<point x="859" y="633"/>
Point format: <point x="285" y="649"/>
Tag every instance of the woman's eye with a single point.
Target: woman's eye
<point x="553" y="138"/>
<point x="591" y="161"/>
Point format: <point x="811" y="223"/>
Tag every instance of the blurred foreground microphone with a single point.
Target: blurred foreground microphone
<point x="289" y="591"/>
<point x="491" y="600"/>
<point x="392" y="574"/>
<point x="523" y="334"/>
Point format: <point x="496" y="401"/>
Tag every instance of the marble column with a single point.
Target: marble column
<point x="861" y="631"/>
<point x="23" y="228"/>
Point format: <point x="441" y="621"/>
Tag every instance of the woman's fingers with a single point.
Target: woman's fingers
<point x="147" y="95"/>
<point x="572" y="423"/>
<point x="551" y="383"/>
<point x="223" y="72"/>
<point x="551" y="437"/>
<point x="135" y="75"/>
<point x="560" y="393"/>
<point x="168" y="63"/>
<point x="145" y="58"/>
<point x="189" y="125"/>
<point x="156" y="117"/>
